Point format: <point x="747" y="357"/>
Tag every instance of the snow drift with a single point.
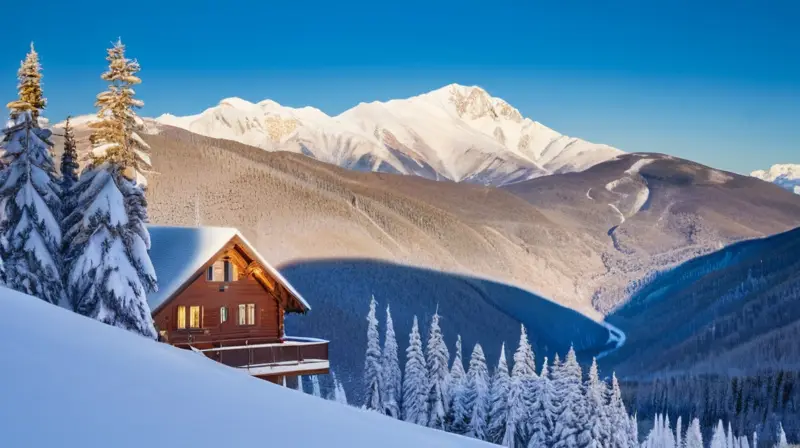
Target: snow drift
<point x="75" y="381"/>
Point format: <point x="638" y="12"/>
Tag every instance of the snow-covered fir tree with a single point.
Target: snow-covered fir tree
<point x="392" y="377"/>
<point x="678" y="433"/>
<point x="339" y="394"/>
<point x="743" y="443"/>
<point x="782" y="442"/>
<point x="718" y="437"/>
<point x="69" y="169"/>
<point x="30" y="196"/>
<point x="299" y="385"/>
<point x="519" y="394"/>
<point x="498" y="400"/>
<point x="730" y="440"/>
<point x="476" y="394"/>
<point x="373" y="378"/>
<point x="415" y="380"/>
<point x="597" y="411"/>
<point x="618" y="417"/>
<point x="633" y="432"/>
<point x="543" y="410"/>
<point x="571" y="429"/>
<point x="437" y="357"/>
<point x="694" y="436"/>
<point x="457" y="414"/>
<point x="315" y="390"/>
<point x="109" y="271"/>
<point x="29" y="87"/>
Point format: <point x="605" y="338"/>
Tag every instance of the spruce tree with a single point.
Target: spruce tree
<point x="415" y="379"/>
<point x="30" y="95"/>
<point x="633" y="432"/>
<point x="392" y="377"/>
<point x="599" y="423"/>
<point x="31" y="210"/>
<point x="543" y="410"/>
<point x="69" y="168"/>
<point x="570" y="430"/>
<point x="678" y="434"/>
<point x="457" y="413"/>
<point x="519" y="394"/>
<point x="718" y="437"/>
<point x="109" y="272"/>
<point x="339" y="394"/>
<point x="373" y="378"/>
<point x="694" y="436"/>
<point x="782" y="442"/>
<point x="299" y="386"/>
<point x="437" y="357"/>
<point x="743" y="443"/>
<point x="476" y="394"/>
<point x="618" y="416"/>
<point x="315" y="390"/>
<point x="498" y="400"/>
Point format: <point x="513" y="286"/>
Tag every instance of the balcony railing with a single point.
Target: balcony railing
<point x="292" y="356"/>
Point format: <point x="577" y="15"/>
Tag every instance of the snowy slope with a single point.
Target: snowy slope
<point x="456" y="132"/>
<point x="786" y="176"/>
<point x="72" y="381"/>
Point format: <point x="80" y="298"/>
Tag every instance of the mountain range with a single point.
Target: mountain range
<point x="786" y="176"/>
<point x="457" y="133"/>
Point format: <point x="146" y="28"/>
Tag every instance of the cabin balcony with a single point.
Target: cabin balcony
<point x="292" y="356"/>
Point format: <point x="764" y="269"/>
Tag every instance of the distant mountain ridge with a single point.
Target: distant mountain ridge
<point x="457" y="133"/>
<point x="786" y="176"/>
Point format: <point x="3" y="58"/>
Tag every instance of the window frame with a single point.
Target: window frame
<point x="223" y="314"/>
<point x="180" y="316"/>
<point x="199" y="309"/>
<point x="246" y="316"/>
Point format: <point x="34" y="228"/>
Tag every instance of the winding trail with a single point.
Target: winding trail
<point x="615" y="336"/>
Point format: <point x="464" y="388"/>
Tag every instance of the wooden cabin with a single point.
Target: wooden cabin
<point x="217" y="295"/>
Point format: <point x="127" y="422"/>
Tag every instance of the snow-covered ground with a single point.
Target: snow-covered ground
<point x="72" y="381"/>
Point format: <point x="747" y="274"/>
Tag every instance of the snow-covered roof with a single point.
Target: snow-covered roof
<point x="179" y="252"/>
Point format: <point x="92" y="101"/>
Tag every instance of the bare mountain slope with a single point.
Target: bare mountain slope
<point x="655" y="211"/>
<point x="456" y="132"/>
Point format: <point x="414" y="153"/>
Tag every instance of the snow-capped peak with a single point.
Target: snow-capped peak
<point x="455" y="132"/>
<point x="785" y="175"/>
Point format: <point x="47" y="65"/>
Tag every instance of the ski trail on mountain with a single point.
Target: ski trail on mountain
<point x="587" y="194"/>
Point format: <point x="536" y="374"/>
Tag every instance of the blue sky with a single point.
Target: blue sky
<point x="716" y="82"/>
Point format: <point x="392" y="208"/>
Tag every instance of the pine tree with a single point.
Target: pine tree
<point x="599" y="423"/>
<point x="315" y="391"/>
<point x="523" y="372"/>
<point x="782" y="442"/>
<point x="694" y="437"/>
<point x="339" y="394"/>
<point x="729" y="438"/>
<point x="668" y="436"/>
<point x="678" y="434"/>
<point x="718" y="437"/>
<point x="109" y="271"/>
<point x="618" y="416"/>
<point x="457" y="415"/>
<point x="476" y="394"/>
<point x="373" y="378"/>
<point x="69" y="168"/>
<point x="30" y="217"/>
<point x="498" y="400"/>
<point x="415" y="378"/>
<point x="30" y="96"/>
<point x="633" y="432"/>
<point x="437" y="357"/>
<point x="393" y="381"/>
<point x="299" y="385"/>
<point x="543" y="411"/>
<point x="743" y="443"/>
<point x="570" y="424"/>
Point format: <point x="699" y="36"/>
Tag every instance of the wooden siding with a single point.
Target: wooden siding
<point x="212" y="295"/>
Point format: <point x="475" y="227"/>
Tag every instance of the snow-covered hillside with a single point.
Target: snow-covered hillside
<point x="456" y="132"/>
<point x="73" y="381"/>
<point x="785" y="175"/>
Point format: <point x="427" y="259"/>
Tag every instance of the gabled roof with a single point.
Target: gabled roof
<point x="178" y="253"/>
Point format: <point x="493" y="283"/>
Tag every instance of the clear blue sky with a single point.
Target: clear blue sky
<point x="714" y="81"/>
